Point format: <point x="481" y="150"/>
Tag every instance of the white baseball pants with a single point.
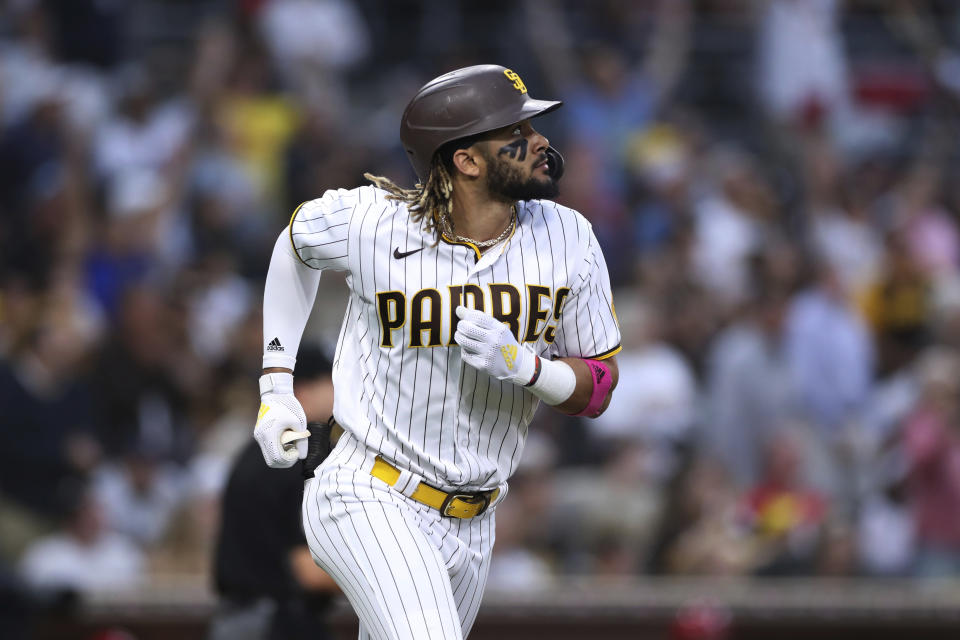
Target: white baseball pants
<point x="410" y="573"/>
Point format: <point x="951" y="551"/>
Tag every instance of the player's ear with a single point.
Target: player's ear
<point x="467" y="161"/>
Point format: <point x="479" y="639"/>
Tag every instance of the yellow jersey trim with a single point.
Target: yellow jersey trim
<point x="448" y="240"/>
<point x="607" y="354"/>
<point x="290" y="232"/>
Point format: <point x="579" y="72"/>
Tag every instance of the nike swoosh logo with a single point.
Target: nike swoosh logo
<point x="399" y="256"/>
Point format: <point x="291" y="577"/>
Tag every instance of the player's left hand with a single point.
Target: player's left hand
<point x="487" y="345"/>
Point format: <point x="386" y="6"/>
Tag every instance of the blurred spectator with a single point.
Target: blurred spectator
<point x="750" y="391"/>
<point x="611" y="93"/>
<point x="85" y="555"/>
<point x="144" y="134"/>
<point x="660" y="159"/>
<point x="830" y="355"/>
<point x="219" y="301"/>
<point x="701" y="533"/>
<point x="259" y="120"/>
<point x="931" y="440"/>
<point x="268" y="583"/>
<point x="897" y="306"/>
<point x="731" y="225"/>
<point x="30" y="146"/>
<point x="327" y="33"/>
<point x="694" y="317"/>
<point x="656" y="403"/>
<point x="929" y="232"/>
<point x="842" y="233"/>
<point x="48" y="427"/>
<point x="591" y="189"/>
<point x="138" y="495"/>
<point x="782" y="510"/>
<point x="317" y="158"/>
<point x="613" y="101"/>
<point x="313" y="43"/>
<point x="612" y="96"/>
<point x="886" y="536"/>
<point x="142" y="384"/>
<point x="127" y="251"/>
<point x="226" y="202"/>
<point x="802" y="64"/>
<point x="223" y="421"/>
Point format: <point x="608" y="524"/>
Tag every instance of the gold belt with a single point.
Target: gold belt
<point x="455" y="505"/>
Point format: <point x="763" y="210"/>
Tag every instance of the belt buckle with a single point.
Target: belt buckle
<point x="448" y="507"/>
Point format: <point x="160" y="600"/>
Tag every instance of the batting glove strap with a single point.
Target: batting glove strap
<point x="281" y="383"/>
<point x="487" y="345"/>
<point x="554" y="383"/>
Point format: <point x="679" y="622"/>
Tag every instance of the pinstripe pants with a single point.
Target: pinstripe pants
<point x="408" y="572"/>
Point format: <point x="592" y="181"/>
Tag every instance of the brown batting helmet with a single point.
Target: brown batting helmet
<point x="463" y="103"/>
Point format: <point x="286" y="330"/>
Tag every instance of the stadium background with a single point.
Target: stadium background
<point x="775" y="187"/>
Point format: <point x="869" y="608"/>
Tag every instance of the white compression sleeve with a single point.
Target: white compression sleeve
<point x="288" y="297"/>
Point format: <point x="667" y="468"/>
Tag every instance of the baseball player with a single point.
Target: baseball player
<point x="473" y="297"/>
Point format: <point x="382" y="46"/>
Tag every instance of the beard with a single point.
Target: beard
<point x="506" y="182"/>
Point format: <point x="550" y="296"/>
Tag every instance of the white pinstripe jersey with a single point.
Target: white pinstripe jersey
<point x="401" y="386"/>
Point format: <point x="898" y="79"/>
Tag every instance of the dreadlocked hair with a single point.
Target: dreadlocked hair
<point x="430" y="202"/>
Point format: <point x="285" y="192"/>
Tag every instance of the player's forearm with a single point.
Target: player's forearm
<point x="288" y="296"/>
<point x="584" y="389"/>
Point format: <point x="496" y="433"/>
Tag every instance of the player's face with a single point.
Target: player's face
<point x="516" y="162"/>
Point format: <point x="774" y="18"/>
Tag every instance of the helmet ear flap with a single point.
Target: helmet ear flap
<point x="554" y="163"/>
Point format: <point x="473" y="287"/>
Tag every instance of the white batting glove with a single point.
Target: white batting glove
<point x="487" y="344"/>
<point x="281" y="429"/>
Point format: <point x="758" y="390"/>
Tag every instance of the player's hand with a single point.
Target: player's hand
<point x="281" y="429"/>
<point x="487" y="345"/>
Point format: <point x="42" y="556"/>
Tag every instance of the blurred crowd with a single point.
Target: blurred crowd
<point x="774" y="184"/>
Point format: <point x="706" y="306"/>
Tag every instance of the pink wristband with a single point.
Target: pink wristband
<point x="602" y="381"/>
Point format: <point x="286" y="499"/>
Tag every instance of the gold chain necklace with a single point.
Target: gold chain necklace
<point x="485" y="244"/>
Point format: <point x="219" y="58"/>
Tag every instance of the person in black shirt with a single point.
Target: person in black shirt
<point x="268" y="584"/>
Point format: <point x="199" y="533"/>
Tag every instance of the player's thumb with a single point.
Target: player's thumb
<point x="461" y="311"/>
<point x="298" y="440"/>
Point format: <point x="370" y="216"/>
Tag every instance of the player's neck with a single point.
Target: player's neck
<point x="479" y="218"/>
